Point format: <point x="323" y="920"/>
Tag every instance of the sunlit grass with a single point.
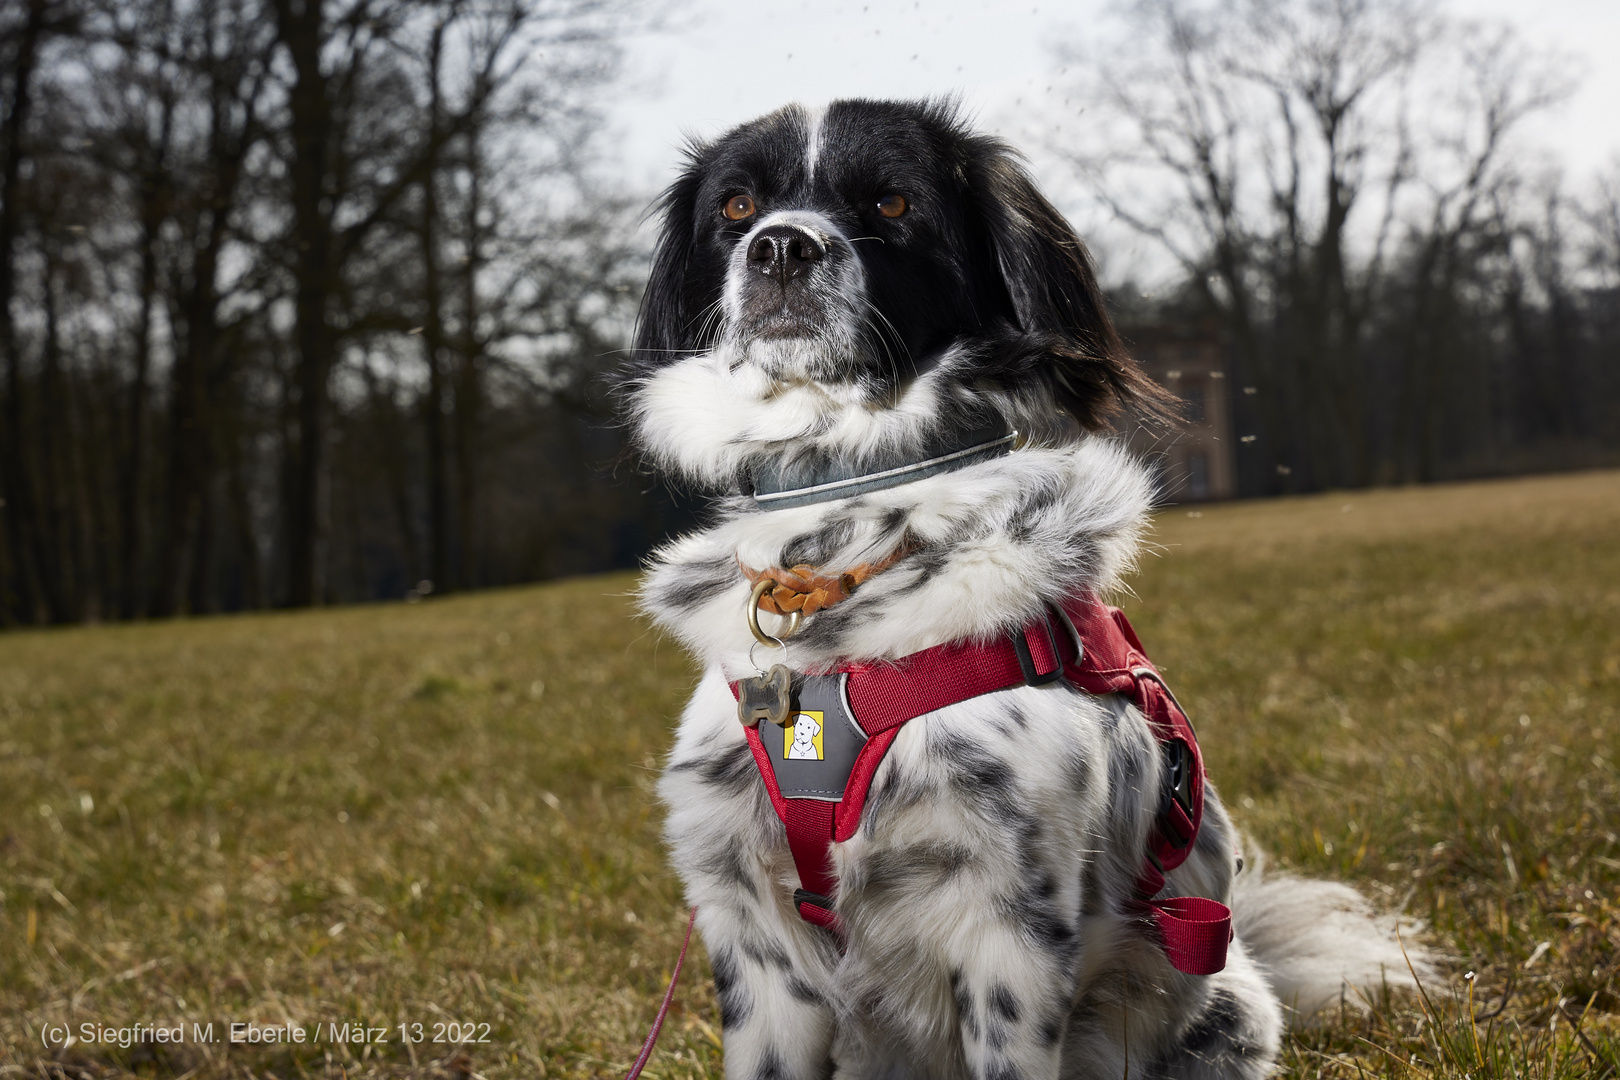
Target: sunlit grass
<point x="443" y="813"/>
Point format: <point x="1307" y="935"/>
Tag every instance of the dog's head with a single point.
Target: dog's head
<point x="851" y="280"/>
<point x="805" y="728"/>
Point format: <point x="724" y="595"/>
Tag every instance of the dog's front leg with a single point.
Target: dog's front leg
<point x="1011" y="974"/>
<point x="961" y="969"/>
<point x="771" y="969"/>
<point x="968" y="881"/>
<point x="774" y="1018"/>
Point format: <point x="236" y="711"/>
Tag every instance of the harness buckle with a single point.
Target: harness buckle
<point x="805" y="896"/>
<point x="1026" y="661"/>
<point x="1178" y="788"/>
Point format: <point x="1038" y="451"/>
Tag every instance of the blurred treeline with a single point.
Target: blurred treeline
<point x="298" y="301"/>
<point x="1357" y="204"/>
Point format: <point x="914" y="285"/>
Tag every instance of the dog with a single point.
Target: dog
<point x="884" y="355"/>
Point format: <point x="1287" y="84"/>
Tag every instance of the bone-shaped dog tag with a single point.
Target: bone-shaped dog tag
<point x="765" y="697"/>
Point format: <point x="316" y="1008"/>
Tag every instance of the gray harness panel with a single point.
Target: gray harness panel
<point x="813" y="755"/>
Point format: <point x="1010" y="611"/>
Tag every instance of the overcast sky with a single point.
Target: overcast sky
<point x="727" y="61"/>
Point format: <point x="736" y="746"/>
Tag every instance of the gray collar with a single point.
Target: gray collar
<point x="801" y="483"/>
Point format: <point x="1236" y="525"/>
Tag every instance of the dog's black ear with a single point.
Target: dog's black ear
<point x="1055" y="299"/>
<point x="667" y="324"/>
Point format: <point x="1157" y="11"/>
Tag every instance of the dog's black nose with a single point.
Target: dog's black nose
<point x="784" y="252"/>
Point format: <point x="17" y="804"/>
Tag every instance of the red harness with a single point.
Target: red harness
<point x="1102" y="656"/>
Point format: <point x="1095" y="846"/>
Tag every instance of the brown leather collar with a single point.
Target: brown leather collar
<point x="806" y="590"/>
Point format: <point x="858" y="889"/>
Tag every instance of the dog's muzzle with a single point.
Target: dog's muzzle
<point x="795" y="280"/>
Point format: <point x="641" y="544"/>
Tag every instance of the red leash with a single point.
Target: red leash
<point x="663" y="1010"/>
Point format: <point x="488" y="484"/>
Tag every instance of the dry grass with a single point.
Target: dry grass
<point x="443" y="813"/>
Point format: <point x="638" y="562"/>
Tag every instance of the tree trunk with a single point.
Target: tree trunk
<point x="241" y="509"/>
<point x="131" y="513"/>
<point x="53" y="540"/>
<point x="433" y="404"/>
<point x="469" y="380"/>
<point x="433" y="335"/>
<point x="17" y="500"/>
<point x="395" y="467"/>
<point x="302" y="31"/>
<point x="182" y="494"/>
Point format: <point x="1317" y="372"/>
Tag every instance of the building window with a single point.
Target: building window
<point x="1198" y="475"/>
<point x="1193" y="394"/>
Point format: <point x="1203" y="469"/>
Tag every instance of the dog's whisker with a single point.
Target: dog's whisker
<point x="894" y="335"/>
<point x="876" y="339"/>
<point x="710" y="316"/>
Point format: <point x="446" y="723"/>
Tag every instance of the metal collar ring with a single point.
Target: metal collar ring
<point x="763" y="585"/>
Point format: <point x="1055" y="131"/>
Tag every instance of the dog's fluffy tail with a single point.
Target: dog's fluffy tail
<point x="1319" y="943"/>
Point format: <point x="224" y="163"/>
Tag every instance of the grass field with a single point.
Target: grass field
<point x="442" y="814"/>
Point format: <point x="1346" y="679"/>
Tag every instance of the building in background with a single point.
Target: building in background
<point x="1195" y="463"/>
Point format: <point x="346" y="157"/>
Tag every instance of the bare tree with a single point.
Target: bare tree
<point x="23" y="36"/>
<point x="223" y="221"/>
<point x="145" y="122"/>
<point x="1497" y="87"/>
<point x="1603" y="217"/>
<point x="347" y="184"/>
<point x="1283" y="153"/>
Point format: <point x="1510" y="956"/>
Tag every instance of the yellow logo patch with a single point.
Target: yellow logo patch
<point x="802" y="741"/>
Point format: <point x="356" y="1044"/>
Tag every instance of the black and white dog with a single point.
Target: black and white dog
<point x="850" y="312"/>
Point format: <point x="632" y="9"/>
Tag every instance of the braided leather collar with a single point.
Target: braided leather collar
<point x="804" y="589"/>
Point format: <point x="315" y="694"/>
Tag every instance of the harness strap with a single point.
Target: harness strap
<point x="1101" y="656"/>
<point x="1194" y="931"/>
<point x="1115" y="663"/>
<point x="810" y="829"/>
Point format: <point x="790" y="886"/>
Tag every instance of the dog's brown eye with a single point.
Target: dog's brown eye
<point x="892" y="205"/>
<point x="740" y="207"/>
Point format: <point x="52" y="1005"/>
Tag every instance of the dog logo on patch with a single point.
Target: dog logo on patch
<point x="802" y="742"/>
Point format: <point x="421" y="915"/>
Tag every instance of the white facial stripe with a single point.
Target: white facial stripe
<point x="812" y="141"/>
<point x="809" y="220"/>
